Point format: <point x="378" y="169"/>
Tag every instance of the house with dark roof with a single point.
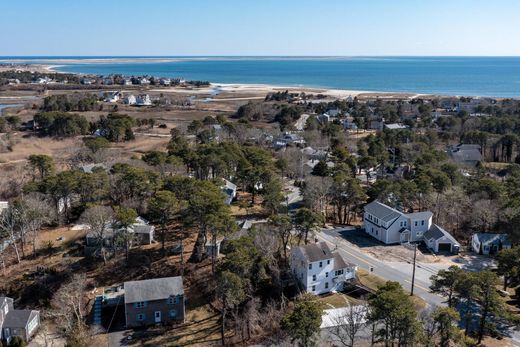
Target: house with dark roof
<point x="21" y="323"/>
<point x="392" y="226"/>
<point x="487" y="243"/>
<point x="154" y="301"/>
<point x="142" y="231"/>
<point x="319" y="270"/>
<point x="466" y="154"/>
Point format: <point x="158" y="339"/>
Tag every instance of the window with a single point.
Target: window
<point x="321" y="264"/>
<point x="173" y="313"/>
<point x="313" y="288"/>
<point x="328" y="262"/>
<point x="416" y="223"/>
<point x="173" y="300"/>
<point x="140" y="304"/>
<point x="422" y="222"/>
<point x="310" y="266"/>
<point x="326" y="285"/>
<point x="140" y="317"/>
<point x="404" y="223"/>
<point x="377" y="232"/>
<point x="326" y="274"/>
<point x="314" y="277"/>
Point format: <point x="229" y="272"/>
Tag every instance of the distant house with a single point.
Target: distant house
<point x="4" y="205"/>
<point x="113" y="97"/>
<point x="130" y="100"/>
<point x="108" y="81"/>
<point x="43" y="80"/>
<point x="230" y="190"/>
<point x="143" y="232"/>
<point x="391" y="226"/>
<point x="314" y="154"/>
<point x="143" y="100"/>
<point x="86" y="81"/>
<point x="466" y="154"/>
<point x="155" y="301"/>
<point x="126" y="82"/>
<point x="165" y="81"/>
<point x="486" y="243"/>
<point x="288" y="139"/>
<point x="349" y="123"/>
<point x="144" y="81"/>
<point x="395" y="126"/>
<point x="330" y="115"/>
<point x="319" y="270"/>
<point x="21" y="323"/>
<point x="377" y="125"/>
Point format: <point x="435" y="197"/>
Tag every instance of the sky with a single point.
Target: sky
<point x="259" y="27"/>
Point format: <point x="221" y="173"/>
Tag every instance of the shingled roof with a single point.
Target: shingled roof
<point x="316" y="252"/>
<point x="154" y="289"/>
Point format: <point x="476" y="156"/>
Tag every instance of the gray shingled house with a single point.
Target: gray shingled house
<point x="155" y="301"/>
<point x="21" y="323"/>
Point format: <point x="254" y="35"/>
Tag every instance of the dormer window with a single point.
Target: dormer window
<point x="310" y="266"/>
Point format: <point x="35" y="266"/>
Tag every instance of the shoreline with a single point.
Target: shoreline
<point x="25" y="65"/>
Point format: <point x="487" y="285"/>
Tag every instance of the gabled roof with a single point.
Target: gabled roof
<point x="487" y="239"/>
<point x="154" y="289"/>
<point x="420" y="215"/>
<point x="436" y="233"/>
<point x="316" y="252"/>
<point x="382" y="211"/>
<point x="19" y="318"/>
<point x="340" y="263"/>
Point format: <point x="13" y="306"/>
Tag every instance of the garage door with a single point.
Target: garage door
<point x="444" y="247"/>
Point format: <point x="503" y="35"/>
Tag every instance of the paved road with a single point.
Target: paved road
<point x="395" y="271"/>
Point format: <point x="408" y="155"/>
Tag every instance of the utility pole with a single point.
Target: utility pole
<point x="413" y="272"/>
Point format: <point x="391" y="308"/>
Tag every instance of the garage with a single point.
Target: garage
<point x="444" y="247"/>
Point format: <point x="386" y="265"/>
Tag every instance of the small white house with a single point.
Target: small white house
<point x="113" y="97"/>
<point x="230" y="190"/>
<point x="165" y="81"/>
<point x="319" y="270"/>
<point x="143" y="100"/>
<point x="4" y="205"/>
<point x="484" y="243"/>
<point x="130" y="100"/>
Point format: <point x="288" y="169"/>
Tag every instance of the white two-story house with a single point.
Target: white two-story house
<point x="319" y="270"/>
<point x="391" y="226"/>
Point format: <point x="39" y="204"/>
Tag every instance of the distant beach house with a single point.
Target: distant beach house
<point x="21" y="323"/>
<point x="86" y="81"/>
<point x="126" y="82"/>
<point x="144" y="81"/>
<point x="395" y="126"/>
<point x="319" y="270"/>
<point x="113" y="97"/>
<point x="165" y="81"/>
<point x="143" y="100"/>
<point x="487" y="243"/>
<point x="130" y="100"/>
<point x="108" y="81"/>
<point x="391" y="226"/>
<point x="466" y="154"/>
<point x="330" y="115"/>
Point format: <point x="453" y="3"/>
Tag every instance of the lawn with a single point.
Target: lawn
<point x="337" y="300"/>
<point x="369" y="280"/>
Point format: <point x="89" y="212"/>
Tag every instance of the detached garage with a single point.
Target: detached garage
<point x="439" y="240"/>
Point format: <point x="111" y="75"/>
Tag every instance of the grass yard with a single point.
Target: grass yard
<point x="369" y="280"/>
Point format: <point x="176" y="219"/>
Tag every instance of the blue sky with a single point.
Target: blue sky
<point x="259" y="27"/>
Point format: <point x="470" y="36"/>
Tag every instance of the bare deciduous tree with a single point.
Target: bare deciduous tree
<point x="99" y="219"/>
<point x="348" y="324"/>
<point x="68" y="303"/>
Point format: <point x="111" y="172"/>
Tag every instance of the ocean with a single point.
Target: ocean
<point x="468" y="76"/>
